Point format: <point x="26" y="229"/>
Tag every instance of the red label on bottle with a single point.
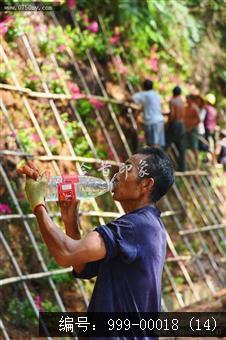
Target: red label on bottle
<point x="66" y="189"/>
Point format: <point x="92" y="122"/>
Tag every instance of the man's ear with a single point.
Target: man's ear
<point x="147" y="184"/>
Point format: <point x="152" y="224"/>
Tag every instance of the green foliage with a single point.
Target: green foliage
<point x="16" y="28"/>
<point x="57" y="87"/>
<point x="223" y="244"/>
<point x="2" y="274"/>
<point x="195" y="245"/>
<point x="134" y="79"/>
<point x="24" y="136"/>
<point x="32" y="78"/>
<point x="53" y="40"/>
<point x="50" y="307"/>
<point x="51" y="136"/>
<point x="21" y="312"/>
<point x="4" y="74"/>
<point x="60" y="278"/>
<point x="72" y="127"/>
<point x="179" y="280"/>
<point x="84" y="107"/>
<point x="25" y="206"/>
<point x="102" y="154"/>
<point x="49" y="132"/>
<point x="86" y="40"/>
<point x="82" y="147"/>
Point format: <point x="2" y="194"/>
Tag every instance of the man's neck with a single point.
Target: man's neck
<point x="129" y="206"/>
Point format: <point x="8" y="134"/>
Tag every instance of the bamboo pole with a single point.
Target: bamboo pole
<point x="210" y="216"/>
<point x="200" y="237"/>
<point x="62" y="97"/>
<point x="30" y="112"/>
<point x="202" y="229"/>
<point x="129" y="85"/>
<point x="198" y="264"/>
<point x="201" y="212"/>
<point x="99" y="82"/>
<point x="201" y="207"/>
<point x="85" y="160"/>
<point x="39" y="255"/>
<point x="56" y="157"/>
<point x="81" y="213"/>
<point x="16" y="279"/>
<point x="174" y="286"/>
<point x="2" y="327"/>
<point x="19" y="273"/>
<point x="31" y="236"/>
<point x="56" y="272"/>
<point x="56" y="113"/>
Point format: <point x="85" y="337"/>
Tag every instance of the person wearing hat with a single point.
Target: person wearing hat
<point x="210" y="120"/>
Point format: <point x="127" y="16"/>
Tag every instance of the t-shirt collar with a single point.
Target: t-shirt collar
<point x="155" y="210"/>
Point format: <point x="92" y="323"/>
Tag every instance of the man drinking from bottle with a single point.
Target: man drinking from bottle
<point x="127" y="255"/>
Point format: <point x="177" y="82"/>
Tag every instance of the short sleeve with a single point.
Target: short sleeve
<point x="91" y="270"/>
<point x="119" y="239"/>
<point x="138" y="98"/>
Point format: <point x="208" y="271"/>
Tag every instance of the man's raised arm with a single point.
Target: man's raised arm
<point x="66" y="250"/>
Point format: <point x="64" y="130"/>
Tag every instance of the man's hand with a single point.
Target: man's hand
<point x="69" y="210"/>
<point x="35" y="191"/>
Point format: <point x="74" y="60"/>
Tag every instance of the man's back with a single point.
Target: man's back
<point x="176" y="109"/>
<point x="191" y="116"/>
<point x="152" y="106"/>
<point x="129" y="277"/>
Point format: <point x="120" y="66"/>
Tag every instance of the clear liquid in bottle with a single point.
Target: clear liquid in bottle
<point x="68" y="187"/>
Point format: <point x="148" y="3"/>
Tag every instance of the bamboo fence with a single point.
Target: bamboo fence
<point x="205" y="201"/>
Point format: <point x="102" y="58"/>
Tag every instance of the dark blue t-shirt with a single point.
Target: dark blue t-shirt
<point x="129" y="277"/>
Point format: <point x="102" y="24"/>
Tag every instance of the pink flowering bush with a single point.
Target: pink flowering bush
<point x="36" y="137"/>
<point x="38" y="303"/>
<point x="33" y="82"/>
<point x="75" y="91"/>
<point x="3" y="28"/>
<point x="93" y="27"/>
<point x="5" y="209"/>
<point x="62" y="48"/>
<point x="5" y="25"/>
<point x="98" y="104"/>
<point x="114" y="40"/>
<point x="121" y="68"/>
<point x="71" y="4"/>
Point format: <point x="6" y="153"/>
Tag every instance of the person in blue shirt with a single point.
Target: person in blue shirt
<point x="126" y="255"/>
<point x="153" y="118"/>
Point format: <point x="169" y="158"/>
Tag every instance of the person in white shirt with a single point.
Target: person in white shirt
<point x="153" y="118"/>
<point x="203" y="145"/>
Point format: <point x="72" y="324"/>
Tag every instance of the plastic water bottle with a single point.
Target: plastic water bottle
<point x="70" y="187"/>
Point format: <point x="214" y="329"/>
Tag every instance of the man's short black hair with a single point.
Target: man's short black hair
<point x="148" y="84"/>
<point x="191" y="97"/>
<point x="160" y="168"/>
<point x="176" y="91"/>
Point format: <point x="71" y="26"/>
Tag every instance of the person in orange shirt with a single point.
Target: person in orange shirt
<point x="191" y="121"/>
